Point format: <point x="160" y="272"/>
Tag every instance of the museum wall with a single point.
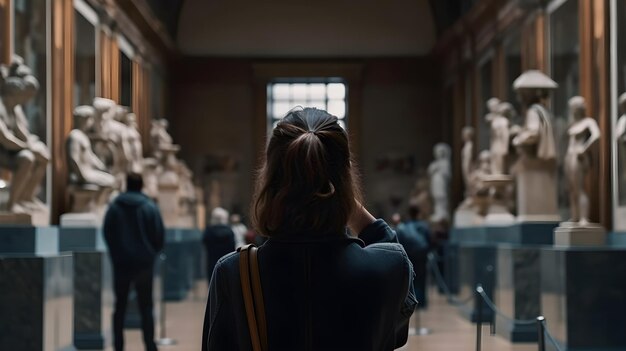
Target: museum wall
<point x="214" y="104"/>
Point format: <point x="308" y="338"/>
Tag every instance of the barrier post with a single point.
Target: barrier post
<point x="541" y="330"/>
<point x="164" y="340"/>
<point x="479" y="317"/>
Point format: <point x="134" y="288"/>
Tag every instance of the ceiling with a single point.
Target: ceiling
<point x="301" y="28"/>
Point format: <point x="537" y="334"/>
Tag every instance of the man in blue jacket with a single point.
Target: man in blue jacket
<point x="134" y="233"/>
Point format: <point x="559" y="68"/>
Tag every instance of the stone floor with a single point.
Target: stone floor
<point x="449" y="331"/>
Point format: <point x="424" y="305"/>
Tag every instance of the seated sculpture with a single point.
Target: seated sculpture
<point x="109" y="138"/>
<point x="20" y="151"/>
<point x="88" y="177"/>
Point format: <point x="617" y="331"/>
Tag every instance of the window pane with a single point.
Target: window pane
<point x="342" y="124"/>
<point x="280" y="91"/>
<point x="336" y="91"/>
<point x="321" y="104"/>
<point x="337" y="108"/>
<point x="84" y="61"/>
<point x="126" y="65"/>
<point x="280" y="109"/>
<point x="485" y="94"/>
<point x="317" y="91"/>
<point x="299" y="91"/>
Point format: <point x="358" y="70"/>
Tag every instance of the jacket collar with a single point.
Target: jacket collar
<point x="314" y="239"/>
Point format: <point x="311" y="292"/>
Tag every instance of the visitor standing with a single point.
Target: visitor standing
<point x="218" y="239"/>
<point x="134" y="233"/>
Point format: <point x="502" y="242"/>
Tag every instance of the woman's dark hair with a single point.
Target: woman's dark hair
<point x="308" y="182"/>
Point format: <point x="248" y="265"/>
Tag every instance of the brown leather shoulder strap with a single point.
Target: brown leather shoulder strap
<point x="259" y="303"/>
<point x="246" y="289"/>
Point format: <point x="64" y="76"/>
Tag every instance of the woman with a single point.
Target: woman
<point x="323" y="290"/>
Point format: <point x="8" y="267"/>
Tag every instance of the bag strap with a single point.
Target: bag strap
<point x="253" y="296"/>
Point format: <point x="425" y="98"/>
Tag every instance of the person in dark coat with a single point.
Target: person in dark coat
<point x="323" y="289"/>
<point x="218" y="239"/>
<point x="414" y="235"/>
<point x="134" y="234"/>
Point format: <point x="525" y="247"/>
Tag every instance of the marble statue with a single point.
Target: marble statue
<point x="472" y="210"/>
<point x="492" y="108"/>
<point x="582" y="133"/>
<point x="467" y="155"/>
<point x="535" y="170"/>
<point x="89" y="183"/>
<point x="84" y="167"/>
<point x="440" y="172"/>
<point x="110" y="138"/>
<point x="420" y="197"/>
<point x="159" y="137"/>
<point x="135" y="163"/>
<point x="21" y="151"/>
<point x="500" y="137"/>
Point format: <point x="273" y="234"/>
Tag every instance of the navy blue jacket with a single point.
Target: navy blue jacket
<point x="320" y="293"/>
<point x="218" y="241"/>
<point x="133" y="230"/>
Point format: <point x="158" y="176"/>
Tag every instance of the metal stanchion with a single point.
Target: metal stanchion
<point x="164" y="340"/>
<point x="479" y="317"/>
<point x="418" y="330"/>
<point x="541" y="333"/>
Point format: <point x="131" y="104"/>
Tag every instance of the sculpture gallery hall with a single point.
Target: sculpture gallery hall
<point x="144" y="144"/>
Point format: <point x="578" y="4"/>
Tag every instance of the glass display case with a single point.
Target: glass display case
<point x="30" y="23"/>
<point x="618" y="87"/>
<point x="85" y="53"/>
<point x="564" y="63"/>
<point x="29" y="42"/>
<point x="513" y="69"/>
<point x="485" y="89"/>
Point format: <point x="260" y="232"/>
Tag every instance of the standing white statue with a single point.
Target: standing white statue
<point x="467" y="156"/>
<point x="582" y="133"/>
<point x="492" y="109"/>
<point x="440" y="172"/>
<point x="20" y="151"/>
<point x="535" y="170"/>
<point x="135" y="164"/>
<point x="500" y="137"/>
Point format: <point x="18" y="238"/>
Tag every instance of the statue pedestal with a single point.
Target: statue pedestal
<point x="574" y="234"/>
<point x="497" y="213"/>
<point x="168" y="199"/>
<point x="81" y="220"/>
<point x="39" y="218"/>
<point x="36" y="290"/>
<point x="536" y="190"/>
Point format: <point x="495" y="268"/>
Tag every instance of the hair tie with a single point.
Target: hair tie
<point x="330" y="193"/>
